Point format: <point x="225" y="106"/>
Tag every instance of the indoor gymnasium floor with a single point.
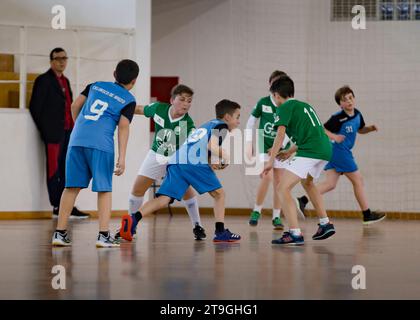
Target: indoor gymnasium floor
<point x="166" y="263"/>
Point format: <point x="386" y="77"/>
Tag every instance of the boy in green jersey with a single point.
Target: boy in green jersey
<point x="265" y="111"/>
<point x="313" y="151"/>
<point x="172" y="127"/>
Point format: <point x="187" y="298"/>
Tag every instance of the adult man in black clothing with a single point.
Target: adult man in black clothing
<point x="50" y="107"/>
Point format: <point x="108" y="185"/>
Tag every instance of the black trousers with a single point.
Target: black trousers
<point x="56" y="168"/>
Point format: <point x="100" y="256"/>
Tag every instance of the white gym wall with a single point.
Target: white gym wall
<point x="228" y="48"/>
<point x="23" y="186"/>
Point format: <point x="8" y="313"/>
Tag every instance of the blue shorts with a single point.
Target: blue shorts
<point x="342" y="162"/>
<point x="180" y="176"/>
<point x="83" y="164"/>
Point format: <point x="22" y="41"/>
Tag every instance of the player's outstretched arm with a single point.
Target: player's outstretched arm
<point x="335" y="137"/>
<point x="368" y="129"/>
<point x="123" y="133"/>
<point x="139" y="110"/>
<point x="77" y="105"/>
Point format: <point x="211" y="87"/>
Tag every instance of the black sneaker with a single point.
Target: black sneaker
<point x="374" y="216"/>
<point x="77" y="214"/>
<point x="199" y="232"/>
<point x="324" y="231"/>
<point x="300" y="205"/>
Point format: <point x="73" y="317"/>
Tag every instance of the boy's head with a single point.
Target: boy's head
<point x="345" y="98"/>
<point x="275" y="75"/>
<point x="181" y="98"/>
<point x="229" y="112"/>
<point x="126" y="73"/>
<point x="282" y="89"/>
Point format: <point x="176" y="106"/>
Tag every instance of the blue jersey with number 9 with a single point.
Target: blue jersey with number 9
<point x="96" y="122"/>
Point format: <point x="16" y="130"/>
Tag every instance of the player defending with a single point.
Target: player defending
<point x="172" y="126"/>
<point x="265" y="110"/>
<point x="313" y="150"/>
<point x="189" y="166"/>
<point x="342" y="129"/>
<point x="97" y="112"/>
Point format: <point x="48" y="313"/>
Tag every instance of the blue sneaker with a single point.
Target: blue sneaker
<point x="289" y="239"/>
<point x="128" y="226"/>
<point x="226" y="236"/>
<point x="324" y="232"/>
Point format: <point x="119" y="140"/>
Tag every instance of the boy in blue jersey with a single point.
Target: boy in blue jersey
<point x="342" y="129"/>
<point x="189" y="166"/>
<point x="100" y="108"/>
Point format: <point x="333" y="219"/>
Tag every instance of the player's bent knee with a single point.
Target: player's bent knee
<point x="189" y="194"/>
<point x="276" y="185"/>
<point x="331" y="187"/>
<point x="140" y="186"/>
<point x="218" y="194"/>
<point x="358" y="182"/>
<point x="73" y="190"/>
<point x="307" y="183"/>
<point x="283" y="188"/>
<point x="164" y="200"/>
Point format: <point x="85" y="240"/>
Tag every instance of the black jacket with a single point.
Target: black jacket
<point x="47" y="106"/>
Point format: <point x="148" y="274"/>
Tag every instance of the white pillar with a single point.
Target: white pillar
<point x="143" y="46"/>
<point x="22" y="68"/>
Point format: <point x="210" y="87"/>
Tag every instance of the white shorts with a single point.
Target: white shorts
<point x="153" y="166"/>
<point x="264" y="157"/>
<point x="302" y="167"/>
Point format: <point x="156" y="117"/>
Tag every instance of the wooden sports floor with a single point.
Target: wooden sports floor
<point x="166" y="263"/>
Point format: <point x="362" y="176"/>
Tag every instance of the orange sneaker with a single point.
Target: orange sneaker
<point x="126" y="226"/>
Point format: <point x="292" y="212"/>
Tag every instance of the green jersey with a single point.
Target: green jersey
<point x="304" y="129"/>
<point x="169" y="133"/>
<point x="265" y="110"/>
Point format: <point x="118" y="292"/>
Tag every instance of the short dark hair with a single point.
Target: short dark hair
<point x="180" y="89"/>
<point x="127" y="70"/>
<point x="276" y="74"/>
<point x="284" y="86"/>
<point x="226" y="106"/>
<point x="55" y="50"/>
<point x="342" y="92"/>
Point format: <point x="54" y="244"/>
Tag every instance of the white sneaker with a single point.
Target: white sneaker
<point x="106" y="242"/>
<point x="60" y="240"/>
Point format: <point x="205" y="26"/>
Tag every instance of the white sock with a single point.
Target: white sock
<point x="192" y="208"/>
<point x="295" y="232"/>
<point x="134" y="203"/>
<point x="276" y="213"/>
<point x="258" y="208"/>
<point x="324" y="221"/>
